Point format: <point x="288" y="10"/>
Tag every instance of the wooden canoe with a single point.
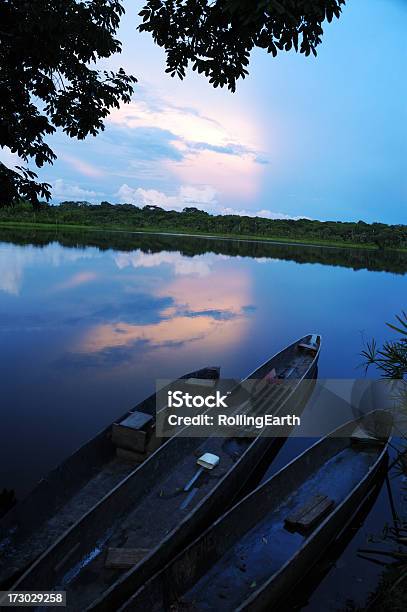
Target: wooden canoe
<point x="256" y="553"/>
<point x="147" y="510"/>
<point x="66" y="493"/>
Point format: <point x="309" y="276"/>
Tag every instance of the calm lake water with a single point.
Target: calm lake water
<point x="89" y="321"/>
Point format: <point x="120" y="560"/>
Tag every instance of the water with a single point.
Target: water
<point x="89" y="321"/>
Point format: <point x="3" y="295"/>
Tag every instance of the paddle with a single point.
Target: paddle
<point x="207" y="461"/>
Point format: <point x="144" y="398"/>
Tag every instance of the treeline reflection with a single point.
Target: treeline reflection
<point x="189" y="246"/>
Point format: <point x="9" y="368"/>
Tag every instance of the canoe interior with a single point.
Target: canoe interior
<point x="290" y="357"/>
<point x="147" y="507"/>
<point x="250" y="544"/>
<point x="297" y="598"/>
<point x="265" y="548"/>
<point x="67" y="492"/>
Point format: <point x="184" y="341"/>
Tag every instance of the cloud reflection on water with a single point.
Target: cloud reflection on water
<point x="151" y="300"/>
<point x="212" y="309"/>
<point x="15" y="261"/>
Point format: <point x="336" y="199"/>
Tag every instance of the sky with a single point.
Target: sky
<point x="323" y="138"/>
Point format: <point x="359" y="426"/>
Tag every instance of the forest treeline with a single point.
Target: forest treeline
<point x="190" y="246"/>
<point x="191" y="219"/>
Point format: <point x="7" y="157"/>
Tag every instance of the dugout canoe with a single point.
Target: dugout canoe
<point x="258" y="552"/>
<point x="68" y="491"/>
<point x="146" y="515"/>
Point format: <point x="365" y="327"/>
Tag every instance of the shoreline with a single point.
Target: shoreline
<point x="180" y="233"/>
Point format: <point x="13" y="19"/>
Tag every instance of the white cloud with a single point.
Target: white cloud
<point x="187" y="195"/>
<point x="184" y="123"/>
<point x="212" y="147"/>
<point x="205" y="198"/>
<point x="10" y="279"/>
<point x="61" y="190"/>
<point x="15" y="260"/>
<point x="200" y="265"/>
<point x="266" y="214"/>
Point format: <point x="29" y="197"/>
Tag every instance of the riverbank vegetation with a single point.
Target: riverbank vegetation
<point x="194" y="221"/>
<point x="375" y="260"/>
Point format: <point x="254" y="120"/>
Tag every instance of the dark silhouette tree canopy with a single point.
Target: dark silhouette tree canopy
<point x="48" y="50"/>
<point x="217" y="37"/>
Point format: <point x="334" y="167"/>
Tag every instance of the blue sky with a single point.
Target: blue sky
<point x="324" y="138"/>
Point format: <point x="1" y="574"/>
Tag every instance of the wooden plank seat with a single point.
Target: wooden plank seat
<point x="309" y="514"/>
<point x="361" y="436"/>
<point x="133" y="432"/>
<point x="266" y="392"/>
<point x="124" y="558"/>
<point x="311" y="345"/>
<point x="201" y="382"/>
<point x="287" y="373"/>
<point x="262" y="400"/>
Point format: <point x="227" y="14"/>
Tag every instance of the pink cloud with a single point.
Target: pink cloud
<point x="82" y="278"/>
<point x="229" y="163"/>
<point x="237" y="176"/>
<point x="81" y="166"/>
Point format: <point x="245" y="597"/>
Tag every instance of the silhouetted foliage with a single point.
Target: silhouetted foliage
<point x="391" y="358"/>
<point x="216" y="38"/>
<point x="47" y="49"/>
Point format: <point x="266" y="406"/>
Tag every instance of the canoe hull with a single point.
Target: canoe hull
<point x="219" y="500"/>
<point x="181" y="575"/>
<point x="309" y="555"/>
<point x="90" y="535"/>
<point x="62" y="484"/>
